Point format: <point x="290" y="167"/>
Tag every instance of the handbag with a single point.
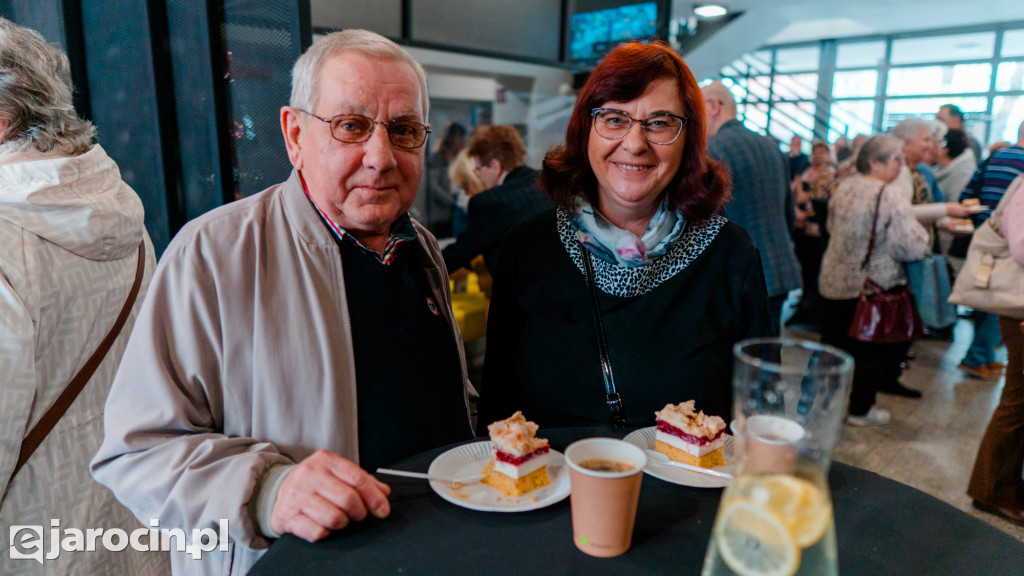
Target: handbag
<point x="929" y="281"/>
<point x="38" y="433"/>
<point x="883" y="316"/>
<point x="991" y="280"/>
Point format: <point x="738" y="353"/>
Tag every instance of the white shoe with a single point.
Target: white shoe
<point x="874" y="417"/>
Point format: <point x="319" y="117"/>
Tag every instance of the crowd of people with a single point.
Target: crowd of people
<point x="289" y="343"/>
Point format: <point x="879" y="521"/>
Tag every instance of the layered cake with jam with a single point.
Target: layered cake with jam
<point x="690" y="437"/>
<point x="519" y="460"/>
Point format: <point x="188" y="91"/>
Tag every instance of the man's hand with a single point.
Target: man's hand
<point x="326" y="492"/>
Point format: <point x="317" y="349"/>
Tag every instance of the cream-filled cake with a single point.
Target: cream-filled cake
<point x="519" y="460"/>
<point x="690" y="437"/>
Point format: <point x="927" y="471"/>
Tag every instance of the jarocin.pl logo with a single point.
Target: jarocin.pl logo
<point x="27" y="541"/>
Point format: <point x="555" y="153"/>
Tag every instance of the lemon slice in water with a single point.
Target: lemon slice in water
<point x="754" y="542"/>
<point x="799" y="504"/>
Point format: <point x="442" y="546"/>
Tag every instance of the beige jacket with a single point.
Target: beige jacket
<point x="899" y="238"/>
<point x="241" y="360"/>
<point x="69" y="231"/>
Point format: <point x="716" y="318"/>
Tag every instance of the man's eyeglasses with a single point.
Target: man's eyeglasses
<point x="900" y="157"/>
<point x="662" y="128"/>
<point x="355" y="128"/>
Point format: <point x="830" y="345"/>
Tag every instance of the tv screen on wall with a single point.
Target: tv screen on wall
<point x="593" y="34"/>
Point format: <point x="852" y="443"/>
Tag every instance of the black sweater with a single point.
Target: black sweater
<point x="669" y="345"/>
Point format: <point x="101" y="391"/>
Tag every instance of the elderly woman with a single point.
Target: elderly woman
<point x="899" y="238"/>
<point x="635" y="256"/>
<point x="72" y="236"/>
<point x="955" y="163"/>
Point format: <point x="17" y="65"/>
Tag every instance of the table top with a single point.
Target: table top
<point x="882" y="527"/>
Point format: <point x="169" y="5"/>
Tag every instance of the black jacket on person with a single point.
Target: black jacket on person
<point x="670" y="344"/>
<point x="492" y="213"/>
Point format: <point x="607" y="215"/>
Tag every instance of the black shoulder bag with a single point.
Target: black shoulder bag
<point x="612" y="397"/>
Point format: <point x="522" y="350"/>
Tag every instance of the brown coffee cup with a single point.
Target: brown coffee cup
<point x="605" y="475"/>
<point x="770" y="444"/>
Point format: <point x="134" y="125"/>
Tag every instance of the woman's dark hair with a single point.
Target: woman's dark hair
<point x="699" y="189"/>
<point x="956" y="142"/>
<point x="453" y="140"/>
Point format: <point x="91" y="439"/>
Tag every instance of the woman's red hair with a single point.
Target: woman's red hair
<point x="700" y="187"/>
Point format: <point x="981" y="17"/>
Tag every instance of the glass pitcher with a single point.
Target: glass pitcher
<point x="775" y="518"/>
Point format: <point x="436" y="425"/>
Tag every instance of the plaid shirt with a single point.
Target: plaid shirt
<point x="402" y="230"/>
<point x="760" y="199"/>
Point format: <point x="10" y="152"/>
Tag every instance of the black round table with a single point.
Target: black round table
<point x="882" y="527"/>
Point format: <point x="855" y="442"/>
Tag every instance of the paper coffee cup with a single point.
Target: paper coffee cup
<point x="770" y="444"/>
<point x="605" y="475"/>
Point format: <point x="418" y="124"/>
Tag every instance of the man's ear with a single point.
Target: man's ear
<point x="291" y="128"/>
<point x="714" y="107"/>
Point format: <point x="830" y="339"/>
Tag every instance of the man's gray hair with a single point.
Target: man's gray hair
<point x="877" y="148"/>
<point x="35" y="94"/>
<point x="938" y="130"/>
<point x="910" y="129"/>
<point x="306" y="73"/>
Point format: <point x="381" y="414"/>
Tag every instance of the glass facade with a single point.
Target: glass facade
<point x="830" y="88"/>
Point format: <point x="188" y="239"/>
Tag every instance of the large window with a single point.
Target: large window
<point x="832" y="88"/>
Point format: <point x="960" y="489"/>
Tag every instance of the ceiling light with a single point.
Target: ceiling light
<point x="710" y="10"/>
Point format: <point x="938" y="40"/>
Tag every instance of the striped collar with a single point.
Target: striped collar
<point x="402" y="230"/>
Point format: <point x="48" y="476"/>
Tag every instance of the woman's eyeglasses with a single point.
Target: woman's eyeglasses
<point x="355" y="128"/>
<point x="662" y="128"/>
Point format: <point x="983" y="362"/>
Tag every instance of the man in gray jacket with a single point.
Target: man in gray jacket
<point x="760" y="201"/>
<point x="295" y="340"/>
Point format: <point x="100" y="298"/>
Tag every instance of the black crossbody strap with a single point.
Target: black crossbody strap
<point x="874" y="229"/>
<point x="38" y="433"/>
<point x="612" y="397"/>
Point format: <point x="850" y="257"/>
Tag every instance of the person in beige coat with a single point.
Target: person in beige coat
<point x="295" y="340"/>
<point x="70" y="229"/>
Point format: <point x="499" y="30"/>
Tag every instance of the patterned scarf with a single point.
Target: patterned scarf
<point x="922" y="191"/>
<point x="617" y="246"/>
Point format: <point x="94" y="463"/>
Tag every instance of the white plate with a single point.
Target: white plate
<point x="644" y="439"/>
<point x="979" y="208"/>
<point x="470" y="459"/>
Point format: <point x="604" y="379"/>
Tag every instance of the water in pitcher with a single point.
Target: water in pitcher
<point x="773" y="525"/>
<point x="775" y="518"/>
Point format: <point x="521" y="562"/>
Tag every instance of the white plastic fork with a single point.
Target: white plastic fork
<point x="407" y="474"/>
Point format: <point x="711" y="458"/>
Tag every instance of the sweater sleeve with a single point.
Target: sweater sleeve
<point x="164" y="453"/>
<point x="929" y="213"/>
<point x="504" y="328"/>
<point x="906" y="239"/>
<point x="480" y="234"/>
<point x="754" y="302"/>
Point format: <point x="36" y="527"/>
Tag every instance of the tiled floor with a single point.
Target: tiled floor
<point x="931" y="442"/>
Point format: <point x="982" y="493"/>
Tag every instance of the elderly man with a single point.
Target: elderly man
<point x="74" y="246"/>
<point x="299" y="338"/>
<point x="760" y="203"/>
<point x="953" y="117"/>
<point x="511" y="195"/>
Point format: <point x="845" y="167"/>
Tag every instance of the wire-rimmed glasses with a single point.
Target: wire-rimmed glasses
<point x="356" y="128"/>
<point x="660" y="128"/>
